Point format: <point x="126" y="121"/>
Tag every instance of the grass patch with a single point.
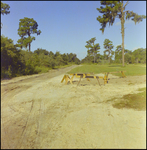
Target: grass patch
<point x="42" y="69"/>
<point x="69" y="64"/>
<point x="134" y="101"/>
<point x="142" y="89"/>
<point x="131" y="70"/>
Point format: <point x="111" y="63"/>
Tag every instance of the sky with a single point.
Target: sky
<point x="67" y="25"/>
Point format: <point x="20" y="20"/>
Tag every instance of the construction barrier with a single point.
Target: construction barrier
<point x="66" y="78"/>
<point x="88" y="75"/>
<point x="81" y="75"/>
<point x="107" y="73"/>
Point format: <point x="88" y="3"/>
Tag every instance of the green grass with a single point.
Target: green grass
<point x="42" y="69"/>
<point x="69" y="64"/>
<point x="134" y="101"/>
<point x="131" y="70"/>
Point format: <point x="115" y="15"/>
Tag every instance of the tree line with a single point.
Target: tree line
<point x="110" y="55"/>
<point x="16" y="62"/>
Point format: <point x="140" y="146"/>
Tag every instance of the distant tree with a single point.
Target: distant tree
<point x="136" y="54"/>
<point x="139" y="55"/>
<point x="128" y="57"/>
<point x="118" y="53"/>
<point x="27" y="26"/>
<point x="87" y="59"/>
<point x="142" y="52"/>
<point x="4" y="9"/>
<point x="51" y="54"/>
<point x="57" y="54"/>
<point x="71" y="57"/>
<point x="97" y="57"/>
<point x="40" y="51"/>
<point x="132" y="59"/>
<point x="77" y="61"/>
<point x="115" y="9"/>
<point x="93" y="49"/>
<point x="108" y="46"/>
<point x="65" y="58"/>
<point x="59" y="60"/>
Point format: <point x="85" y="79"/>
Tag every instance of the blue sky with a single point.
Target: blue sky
<point x="67" y="25"/>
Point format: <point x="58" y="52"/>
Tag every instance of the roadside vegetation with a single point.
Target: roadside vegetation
<point x="17" y="60"/>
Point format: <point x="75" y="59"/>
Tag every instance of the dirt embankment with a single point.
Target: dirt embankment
<point x="39" y="111"/>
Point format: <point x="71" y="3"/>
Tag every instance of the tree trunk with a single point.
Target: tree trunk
<point x="94" y="52"/>
<point x="29" y="47"/>
<point x="122" y="32"/>
<point x="29" y="43"/>
<point x="94" y="58"/>
<point x="137" y="60"/>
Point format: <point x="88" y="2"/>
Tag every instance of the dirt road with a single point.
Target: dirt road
<point x="39" y="111"/>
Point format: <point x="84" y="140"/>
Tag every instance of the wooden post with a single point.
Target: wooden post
<point x="123" y="75"/>
<point x="63" y="79"/>
<point x="79" y="81"/>
<point x="98" y="81"/>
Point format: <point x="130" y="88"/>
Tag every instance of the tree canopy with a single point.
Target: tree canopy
<point x="93" y="49"/>
<point x="115" y="9"/>
<point x="5" y="8"/>
<point x="108" y="46"/>
<point x="27" y="26"/>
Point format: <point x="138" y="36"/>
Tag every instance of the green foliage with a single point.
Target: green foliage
<point x="10" y="58"/>
<point x="115" y="9"/>
<point x="87" y="59"/>
<point x="140" y="55"/>
<point x="135" y="17"/>
<point x="112" y="9"/>
<point x="17" y="62"/>
<point x="133" y="59"/>
<point x="41" y="51"/>
<point x="27" y="26"/>
<point x="108" y="46"/>
<point x="118" y="54"/>
<point x="93" y="49"/>
<point x="5" y="8"/>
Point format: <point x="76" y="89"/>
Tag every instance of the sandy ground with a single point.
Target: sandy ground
<point x="39" y="111"/>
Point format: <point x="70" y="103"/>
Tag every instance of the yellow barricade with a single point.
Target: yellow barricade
<point x="88" y="75"/>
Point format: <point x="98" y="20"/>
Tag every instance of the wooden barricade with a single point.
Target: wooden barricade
<point x="88" y="75"/>
<point x="80" y="74"/>
<point x="107" y="73"/>
<point x="66" y="78"/>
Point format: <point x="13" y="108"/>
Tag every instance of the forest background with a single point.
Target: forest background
<point x="18" y="60"/>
